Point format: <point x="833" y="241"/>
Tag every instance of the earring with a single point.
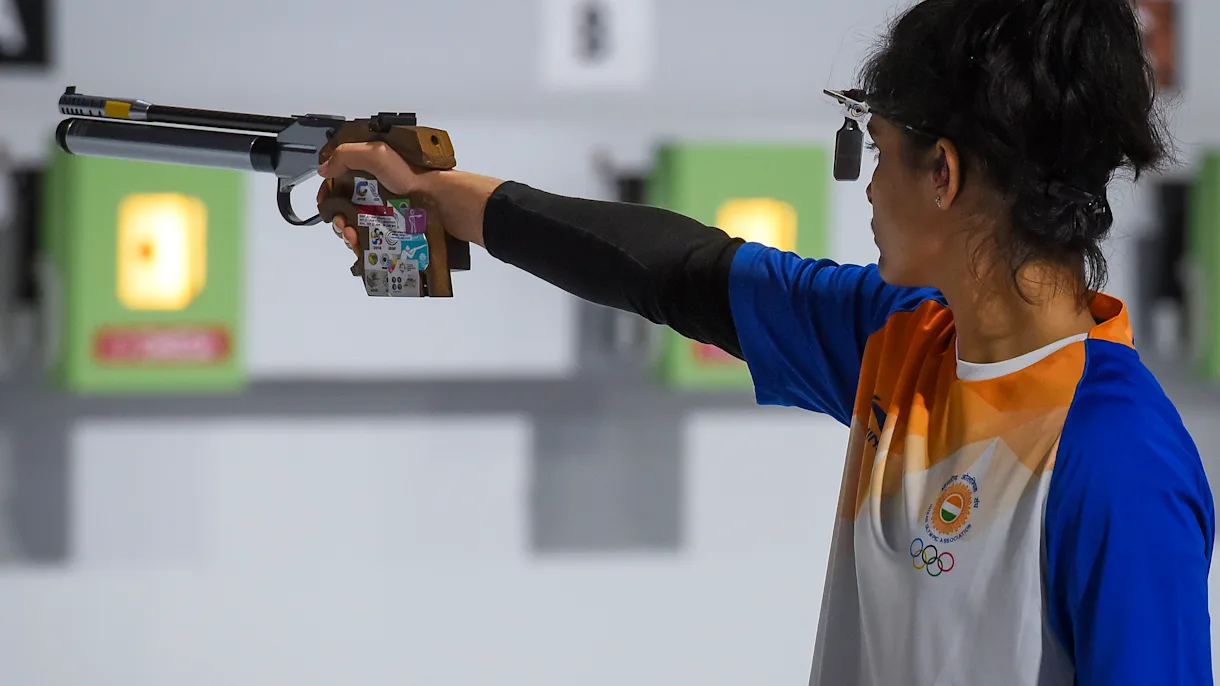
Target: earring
<point x="938" y="201"/>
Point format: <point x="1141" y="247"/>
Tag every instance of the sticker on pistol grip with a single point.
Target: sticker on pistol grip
<point x="408" y="222"/>
<point x="366" y="192"/>
<point x="380" y="222"/>
<point x="376" y="276"/>
<point x="414" y="247"/>
<point x="378" y="239"/>
<point x="404" y="279"/>
<point x="417" y="221"/>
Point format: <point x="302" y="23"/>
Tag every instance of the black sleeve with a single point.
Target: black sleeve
<point x="667" y="268"/>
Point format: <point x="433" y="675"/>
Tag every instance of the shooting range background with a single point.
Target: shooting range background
<point x="509" y="497"/>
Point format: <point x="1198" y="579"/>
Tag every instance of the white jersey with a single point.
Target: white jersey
<point x="1041" y="521"/>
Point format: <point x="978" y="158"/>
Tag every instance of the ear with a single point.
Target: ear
<point x="946" y="172"/>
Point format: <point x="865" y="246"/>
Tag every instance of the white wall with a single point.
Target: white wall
<point x="361" y="552"/>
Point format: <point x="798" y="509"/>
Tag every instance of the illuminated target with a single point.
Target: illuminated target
<point x="162" y="251"/>
<point x="760" y="220"/>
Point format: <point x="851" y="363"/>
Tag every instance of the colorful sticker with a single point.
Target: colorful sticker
<point x="397" y="251"/>
<point x="376" y="277"/>
<point x="380" y="221"/>
<point x="409" y="222"/>
<point x="404" y="279"/>
<point x="417" y="221"/>
<point x="416" y="248"/>
<point x="366" y="192"/>
<point x="377" y="238"/>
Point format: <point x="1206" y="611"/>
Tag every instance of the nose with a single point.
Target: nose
<point x="869" y="192"/>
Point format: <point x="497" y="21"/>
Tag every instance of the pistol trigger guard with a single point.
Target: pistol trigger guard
<point x="283" y="198"/>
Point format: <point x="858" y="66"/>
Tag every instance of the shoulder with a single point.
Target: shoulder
<point x="804" y="323"/>
<point x="758" y="269"/>
<point x="1121" y="408"/>
<point x="1123" y="441"/>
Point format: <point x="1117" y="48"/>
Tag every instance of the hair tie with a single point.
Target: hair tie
<point x="1090" y="202"/>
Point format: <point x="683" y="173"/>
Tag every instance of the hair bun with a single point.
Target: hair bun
<point x="1046" y="100"/>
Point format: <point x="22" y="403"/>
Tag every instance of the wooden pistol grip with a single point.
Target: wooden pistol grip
<point x="421" y="147"/>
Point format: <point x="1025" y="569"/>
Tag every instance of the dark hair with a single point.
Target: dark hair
<point x="1044" y="99"/>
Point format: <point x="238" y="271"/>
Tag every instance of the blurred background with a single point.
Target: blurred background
<point x="287" y="481"/>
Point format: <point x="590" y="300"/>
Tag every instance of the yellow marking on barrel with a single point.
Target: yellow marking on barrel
<point x="118" y="110"/>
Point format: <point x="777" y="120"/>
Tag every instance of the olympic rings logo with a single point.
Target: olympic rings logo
<point x="928" y="558"/>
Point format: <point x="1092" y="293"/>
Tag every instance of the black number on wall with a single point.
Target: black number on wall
<point x="593" y="31"/>
<point x="24" y="33"/>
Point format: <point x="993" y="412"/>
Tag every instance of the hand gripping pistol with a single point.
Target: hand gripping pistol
<point x="405" y="250"/>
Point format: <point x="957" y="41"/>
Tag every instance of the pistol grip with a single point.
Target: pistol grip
<point x="394" y="232"/>
<point x="424" y="148"/>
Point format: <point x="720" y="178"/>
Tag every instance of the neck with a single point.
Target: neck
<point x="994" y="323"/>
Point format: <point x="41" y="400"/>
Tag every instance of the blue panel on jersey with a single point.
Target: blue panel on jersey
<point x="1129" y="531"/>
<point x="803" y="324"/>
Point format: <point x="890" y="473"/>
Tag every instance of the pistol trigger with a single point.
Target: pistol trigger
<point x="283" y="198"/>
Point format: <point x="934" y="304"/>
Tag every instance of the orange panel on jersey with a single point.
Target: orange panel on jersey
<point x="912" y="412"/>
<point x="1115" y="326"/>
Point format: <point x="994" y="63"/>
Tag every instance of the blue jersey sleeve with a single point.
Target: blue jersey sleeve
<point x="1129" y="532"/>
<point x="803" y="323"/>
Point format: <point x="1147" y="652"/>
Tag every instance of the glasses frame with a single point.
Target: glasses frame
<point x="849" y="141"/>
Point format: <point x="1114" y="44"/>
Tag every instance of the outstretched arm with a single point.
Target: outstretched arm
<point x="667" y="268"/>
<point x="801" y="324"/>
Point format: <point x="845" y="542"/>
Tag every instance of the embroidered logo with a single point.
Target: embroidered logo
<point x="947" y="519"/>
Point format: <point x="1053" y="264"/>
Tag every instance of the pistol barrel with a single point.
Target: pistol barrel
<point x="217" y="120"/>
<point x="167" y="144"/>
<point x="75" y="104"/>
